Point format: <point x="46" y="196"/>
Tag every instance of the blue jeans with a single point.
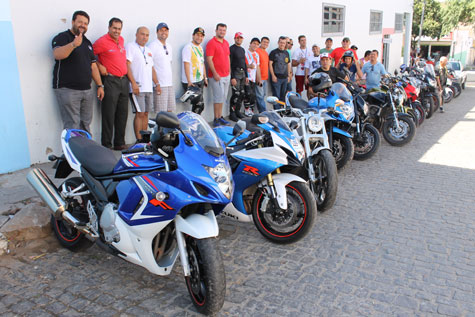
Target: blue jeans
<point x="261" y="95"/>
<point x="279" y="89"/>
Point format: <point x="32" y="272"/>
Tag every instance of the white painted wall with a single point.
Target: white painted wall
<point x="35" y="23"/>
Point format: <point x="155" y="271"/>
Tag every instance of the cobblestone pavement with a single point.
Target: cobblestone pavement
<point x="399" y="241"/>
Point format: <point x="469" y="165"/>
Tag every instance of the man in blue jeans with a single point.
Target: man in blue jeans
<point x="280" y="69"/>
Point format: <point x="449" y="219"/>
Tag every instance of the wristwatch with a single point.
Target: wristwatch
<point x="98" y="86"/>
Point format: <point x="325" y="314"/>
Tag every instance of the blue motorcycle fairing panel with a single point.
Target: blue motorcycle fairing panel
<point x="225" y="133"/>
<point x="342" y="132"/>
<point x="139" y="162"/>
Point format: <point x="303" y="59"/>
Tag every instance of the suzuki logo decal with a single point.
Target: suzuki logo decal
<point x="251" y="170"/>
<point x="162" y="204"/>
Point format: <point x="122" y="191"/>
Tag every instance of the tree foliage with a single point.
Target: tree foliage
<point x="455" y="12"/>
<point x="432" y="17"/>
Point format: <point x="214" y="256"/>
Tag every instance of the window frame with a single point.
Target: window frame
<point x="371" y="22"/>
<point x="342" y="21"/>
<point x="396" y="30"/>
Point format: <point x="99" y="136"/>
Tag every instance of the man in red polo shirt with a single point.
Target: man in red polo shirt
<point x="338" y="52"/>
<point x="110" y="52"/>
<point x="217" y="57"/>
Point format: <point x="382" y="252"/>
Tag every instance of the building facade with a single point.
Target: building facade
<point x="33" y="125"/>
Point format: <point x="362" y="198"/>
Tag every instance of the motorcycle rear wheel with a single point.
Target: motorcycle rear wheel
<point x="67" y="235"/>
<point x="326" y="180"/>
<point x="457" y="89"/>
<point x="207" y="281"/>
<point x="285" y="226"/>
<point x="402" y="136"/>
<point x="370" y="145"/>
<point x="448" y="95"/>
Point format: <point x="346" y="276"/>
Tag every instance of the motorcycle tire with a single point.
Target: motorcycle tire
<point x="207" y="281"/>
<point x="457" y="89"/>
<point x="402" y="137"/>
<point x="370" y="145"/>
<point x="420" y="113"/>
<point x="326" y="180"/>
<point x="429" y="106"/>
<point x="436" y="100"/>
<point x="343" y="150"/>
<point x="463" y="85"/>
<point x="448" y="95"/>
<point x="68" y="236"/>
<point x="285" y="226"/>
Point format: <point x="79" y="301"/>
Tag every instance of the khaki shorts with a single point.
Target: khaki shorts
<point x="142" y="102"/>
<point x="165" y="101"/>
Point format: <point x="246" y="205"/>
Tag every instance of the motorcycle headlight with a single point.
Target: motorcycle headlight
<point x="221" y="174"/>
<point x="348" y="111"/>
<point x="314" y="124"/>
<point x="298" y="148"/>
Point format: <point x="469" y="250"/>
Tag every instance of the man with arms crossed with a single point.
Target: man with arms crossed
<point x="280" y="69"/>
<point x="74" y="66"/>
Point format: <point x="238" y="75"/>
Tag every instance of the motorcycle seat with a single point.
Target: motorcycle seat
<point x="95" y="158"/>
<point x="298" y="103"/>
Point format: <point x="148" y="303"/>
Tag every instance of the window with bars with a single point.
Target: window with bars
<point x="398" y="22"/>
<point x="376" y="21"/>
<point x="333" y="19"/>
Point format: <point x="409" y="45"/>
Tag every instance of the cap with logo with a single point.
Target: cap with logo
<point x="324" y="55"/>
<point x="238" y="34"/>
<point x="162" y="25"/>
<point x="199" y="30"/>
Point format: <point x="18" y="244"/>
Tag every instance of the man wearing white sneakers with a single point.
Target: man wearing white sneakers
<point x="164" y="98"/>
<point x="141" y="75"/>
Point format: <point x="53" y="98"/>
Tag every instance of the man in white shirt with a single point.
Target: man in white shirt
<point x="312" y="63"/>
<point x="193" y="72"/>
<point x="164" y="99"/>
<point x="142" y="76"/>
<point x="299" y="58"/>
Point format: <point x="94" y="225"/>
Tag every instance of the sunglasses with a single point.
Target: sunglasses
<point x="372" y="68"/>
<point x="165" y="48"/>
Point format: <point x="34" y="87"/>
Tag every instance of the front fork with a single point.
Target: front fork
<point x="180" y="239"/>
<point x="396" y="118"/>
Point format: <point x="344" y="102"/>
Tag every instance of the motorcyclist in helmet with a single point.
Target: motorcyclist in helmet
<point x="350" y="67"/>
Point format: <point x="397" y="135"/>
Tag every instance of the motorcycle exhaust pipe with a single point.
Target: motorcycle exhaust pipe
<point x="47" y="191"/>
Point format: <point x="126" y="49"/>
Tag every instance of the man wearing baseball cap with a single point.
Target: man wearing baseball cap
<point x="339" y="51"/>
<point x="326" y="67"/>
<point x="193" y="69"/>
<point x="328" y="46"/>
<point x="238" y="77"/>
<point x="164" y="96"/>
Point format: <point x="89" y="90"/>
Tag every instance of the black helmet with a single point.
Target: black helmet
<point x="190" y="94"/>
<point x="320" y="81"/>
<point x="348" y="53"/>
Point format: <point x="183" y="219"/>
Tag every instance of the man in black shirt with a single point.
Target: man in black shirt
<point x="75" y="65"/>
<point x="238" y="77"/>
<point x="280" y="69"/>
<point x="326" y="67"/>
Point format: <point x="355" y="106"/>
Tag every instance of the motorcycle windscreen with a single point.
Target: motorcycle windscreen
<point x="201" y="132"/>
<point x="341" y="91"/>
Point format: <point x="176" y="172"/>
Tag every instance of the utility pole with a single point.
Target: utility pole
<point x="420" y="29"/>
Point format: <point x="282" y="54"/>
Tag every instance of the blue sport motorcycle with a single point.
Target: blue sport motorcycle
<point x="263" y="153"/>
<point x="156" y="203"/>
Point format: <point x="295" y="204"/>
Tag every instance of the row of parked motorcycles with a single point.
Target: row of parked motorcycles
<point x="159" y="201"/>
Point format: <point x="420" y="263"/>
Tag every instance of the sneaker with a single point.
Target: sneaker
<point x="216" y="123"/>
<point x="441" y="109"/>
<point x="222" y="121"/>
<point x="248" y="112"/>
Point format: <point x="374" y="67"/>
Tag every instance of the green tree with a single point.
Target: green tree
<point x="455" y="12"/>
<point x="432" y="17"/>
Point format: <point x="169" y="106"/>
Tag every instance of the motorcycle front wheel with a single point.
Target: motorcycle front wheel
<point x="420" y="114"/>
<point x="285" y="226"/>
<point x="457" y="89"/>
<point x="207" y="281"/>
<point x="399" y="135"/>
<point x="68" y="236"/>
<point x="326" y="180"/>
<point x="343" y="150"/>
<point x="447" y="95"/>
<point x="429" y="106"/>
<point x="368" y="144"/>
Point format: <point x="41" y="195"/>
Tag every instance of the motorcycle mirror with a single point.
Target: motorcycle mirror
<point x="167" y="120"/>
<point x="293" y="125"/>
<point x="395" y="72"/>
<point x="239" y="128"/>
<point x="272" y="99"/>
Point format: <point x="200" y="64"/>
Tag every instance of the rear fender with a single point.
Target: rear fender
<point x="63" y="169"/>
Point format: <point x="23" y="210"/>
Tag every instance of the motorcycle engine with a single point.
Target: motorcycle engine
<point x="107" y="223"/>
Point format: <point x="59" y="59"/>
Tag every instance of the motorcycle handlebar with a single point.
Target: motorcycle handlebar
<point x="251" y="137"/>
<point x="136" y="150"/>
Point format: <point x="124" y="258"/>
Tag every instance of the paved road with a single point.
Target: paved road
<point x="399" y="241"/>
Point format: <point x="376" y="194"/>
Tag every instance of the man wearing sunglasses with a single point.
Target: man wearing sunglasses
<point x="164" y="96"/>
<point x="373" y="70"/>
